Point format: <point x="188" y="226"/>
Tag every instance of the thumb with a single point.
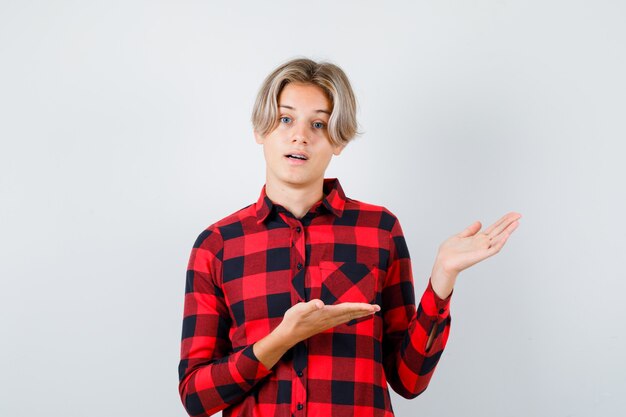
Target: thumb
<point x="314" y="305"/>
<point x="471" y="230"/>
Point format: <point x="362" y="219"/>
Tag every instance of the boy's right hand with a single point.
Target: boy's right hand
<point x="304" y="320"/>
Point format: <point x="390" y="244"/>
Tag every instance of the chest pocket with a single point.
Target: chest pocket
<point x="343" y="282"/>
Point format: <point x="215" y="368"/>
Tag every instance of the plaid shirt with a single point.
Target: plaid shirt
<point x="247" y="269"/>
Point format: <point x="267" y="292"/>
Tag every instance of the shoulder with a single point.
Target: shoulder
<point x="226" y="228"/>
<point x="372" y="214"/>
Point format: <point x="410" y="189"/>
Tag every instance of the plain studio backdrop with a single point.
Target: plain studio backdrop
<point x="125" y="132"/>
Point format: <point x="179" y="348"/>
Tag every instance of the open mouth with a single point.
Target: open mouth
<point x="297" y="156"/>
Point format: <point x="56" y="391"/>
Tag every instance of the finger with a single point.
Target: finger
<point x="351" y="314"/>
<point x="496" y="228"/>
<point x="497" y="246"/>
<point x="504" y="235"/>
<point x="493" y="227"/>
<point x="351" y="307"/>
<point x="471" y="229"/>
<point x="345" y="312"/>
<point x="506" y="228"/>
<point x="498" y="242"/>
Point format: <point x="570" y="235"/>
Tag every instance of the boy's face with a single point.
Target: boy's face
<point x="304" y="111"/>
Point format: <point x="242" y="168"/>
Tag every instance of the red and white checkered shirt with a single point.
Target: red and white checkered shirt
<point x="247" y="269"/>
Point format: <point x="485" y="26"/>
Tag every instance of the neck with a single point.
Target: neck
<point x="297" y="199"/>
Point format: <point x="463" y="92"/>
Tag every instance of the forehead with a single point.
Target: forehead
<point x="304" y="97"/>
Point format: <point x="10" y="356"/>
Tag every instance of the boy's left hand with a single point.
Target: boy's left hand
<point x="467" y="248"/>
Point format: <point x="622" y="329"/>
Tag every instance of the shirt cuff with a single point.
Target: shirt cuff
<point x="249" y="366"/>
<point x="433" y="305"/>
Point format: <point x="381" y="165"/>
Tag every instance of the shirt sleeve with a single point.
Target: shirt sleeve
<point x="211" y="375"/>
<point x="408" y="365"/>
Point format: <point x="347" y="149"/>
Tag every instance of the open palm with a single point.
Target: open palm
<point x="469" y="247"/>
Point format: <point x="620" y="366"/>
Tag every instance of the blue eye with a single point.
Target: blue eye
<point x="319" y="125"/>
<point x="288" y="119"/>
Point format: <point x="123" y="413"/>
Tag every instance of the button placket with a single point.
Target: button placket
<point x="300" y="353"/>
<point x="297" y="241"/>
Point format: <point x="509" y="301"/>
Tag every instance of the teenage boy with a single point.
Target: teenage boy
<point x="302" y="304"/>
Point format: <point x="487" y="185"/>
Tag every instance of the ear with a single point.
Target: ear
<point x="258" y="137"/>
<point x="337" y="149"/>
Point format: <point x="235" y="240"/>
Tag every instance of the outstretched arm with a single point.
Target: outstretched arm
<point x="415" y="337"/>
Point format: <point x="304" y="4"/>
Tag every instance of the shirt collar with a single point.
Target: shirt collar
<point x="334" y="200"/>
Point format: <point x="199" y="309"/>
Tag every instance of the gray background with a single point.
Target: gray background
<point x="125" y="132"/>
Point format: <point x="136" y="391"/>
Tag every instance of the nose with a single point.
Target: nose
<point x="299" y="133"/>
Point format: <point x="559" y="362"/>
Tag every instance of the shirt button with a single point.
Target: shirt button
<point x="300" y="406"/>
<point x="299" y="266"/>
<point x="441" y="311"/>
<point x="299" y="373"/>
<point x="298" y="229"/>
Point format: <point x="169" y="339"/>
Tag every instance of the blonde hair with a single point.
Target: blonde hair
<point x="342" y="124"/>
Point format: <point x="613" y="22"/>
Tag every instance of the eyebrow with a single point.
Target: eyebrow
<point x="317" y="111"/>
